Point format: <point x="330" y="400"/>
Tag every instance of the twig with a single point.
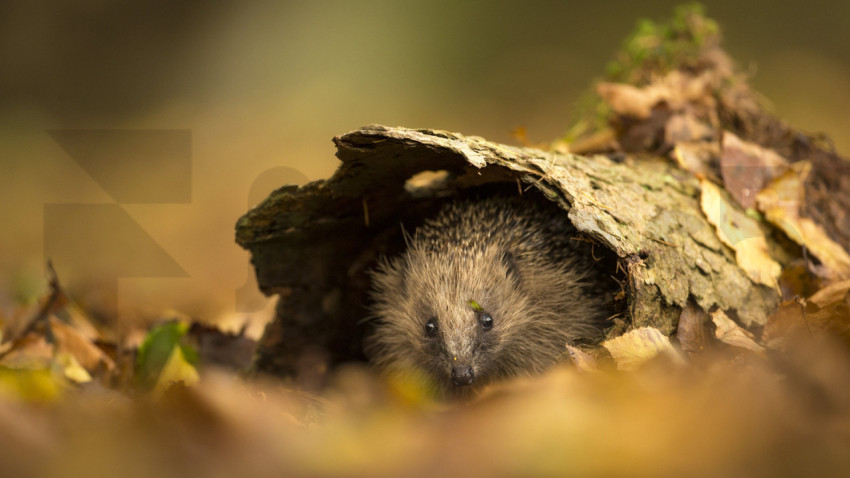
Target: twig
<point x="44" y="311"/>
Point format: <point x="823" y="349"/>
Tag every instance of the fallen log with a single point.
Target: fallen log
<point x="700" y="197"/>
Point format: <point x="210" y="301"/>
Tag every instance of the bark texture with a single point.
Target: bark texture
<point x="314" y="245"/>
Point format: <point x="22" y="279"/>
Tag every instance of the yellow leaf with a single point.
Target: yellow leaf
<point x="742" y="234"/>
<point x="781" y="203"/>
<point x="638" y="346"/>
<point x="176" y="369"/>
<point x="39" y="385"/>
<point x="71" y="368"/>
<point x="729" y="332"/>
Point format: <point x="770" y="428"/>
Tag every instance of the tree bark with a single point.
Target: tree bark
<point x="314" y="245"/>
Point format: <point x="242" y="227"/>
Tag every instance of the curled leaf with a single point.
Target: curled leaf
<point x="831" y="294"/>
<point x="781" y="203"/>
<point x="638" y="346"/>
<point x="728" y="332"/>
<point x="583" y="361"/>
<point x="742" y="234"/>
<point x="826" y="313"/>
<point x="74" y="343"/>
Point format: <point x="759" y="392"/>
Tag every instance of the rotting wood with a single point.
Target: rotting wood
<point x="311" y="244"/>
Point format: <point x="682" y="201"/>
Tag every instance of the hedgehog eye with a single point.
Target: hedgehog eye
<point x="431" y="328"/>
<point x="486" y="320"/>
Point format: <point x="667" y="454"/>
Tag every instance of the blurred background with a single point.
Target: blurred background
<point x="251" y="93"/>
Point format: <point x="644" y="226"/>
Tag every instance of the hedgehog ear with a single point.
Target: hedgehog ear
<point x="512" y="270"/>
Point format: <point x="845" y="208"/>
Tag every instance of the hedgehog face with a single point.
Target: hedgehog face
<point x="486" y="290"/>
<point x="459" y="353"/>
<point x="450" y="317"/>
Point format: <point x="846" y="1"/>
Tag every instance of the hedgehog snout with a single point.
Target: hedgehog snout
<point x="462" y="375"/>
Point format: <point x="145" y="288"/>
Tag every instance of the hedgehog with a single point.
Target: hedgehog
<point x="486" y="289"/>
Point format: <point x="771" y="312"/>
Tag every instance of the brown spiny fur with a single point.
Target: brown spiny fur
<point x="515" y="259"/>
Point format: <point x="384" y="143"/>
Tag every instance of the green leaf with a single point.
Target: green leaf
<point x="156" y="350"/>
<point x="177" y="369"/>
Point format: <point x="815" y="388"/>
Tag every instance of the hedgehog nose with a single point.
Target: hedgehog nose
<point x="462" y="375"/>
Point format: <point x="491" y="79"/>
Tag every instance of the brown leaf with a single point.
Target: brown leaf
<point x="74" y="343"/>
<point x="782" y="326"/>
<point x="830" y="295"/>
<point x="692" y="330"/>
<point x="797" y="280"/>
<point x="583" y="361"/>
<point x="32" y="351"/>
<point x="520" y="133"/>
<point x="628" y="100"/>
<point x="747" y="168"/>
<point x="827" y="312"/>
<point x="698" y="157"/>
<point x="79" y="320"/>
<point x="728" y="332"/>
<point x="686" y="127"/>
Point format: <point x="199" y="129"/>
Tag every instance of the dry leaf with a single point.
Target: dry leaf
<point x="686" y="127"/>
<point x="781" y="203"/>
<point x="826" y="312"/>
<point x="74" y="343"/>
<point x="692" y="330"/>
<point x="32" y="351"/>
<point x="71" y="368"/>
<point x="730" y="333"/>
<point x="797" y="279"/>
<point x="830" y="295"/>
<point x="678" y="91"/>
<point x="628" y="100"/>
<point x="583" y="361"/>
<point x="784" y="324"/>
<point x="747" y="168"/>
<point x="698" y="157"/>
<point x="742" y="234"/>
<point x="79" y="320"/>
<point x="638" y="346"/>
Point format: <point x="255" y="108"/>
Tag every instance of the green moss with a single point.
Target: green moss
<point x="652" y="49"/>
<point x="655" y="48"/>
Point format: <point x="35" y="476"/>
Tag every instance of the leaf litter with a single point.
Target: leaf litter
<point x="716" y="397"/>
